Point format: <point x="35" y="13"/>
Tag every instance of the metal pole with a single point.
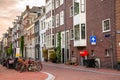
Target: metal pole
<point x="65" y="51"/>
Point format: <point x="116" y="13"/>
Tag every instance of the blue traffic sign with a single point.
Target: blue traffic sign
<point x="93" y="40"/>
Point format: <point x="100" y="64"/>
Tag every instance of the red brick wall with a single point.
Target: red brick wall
<point x="117" y="17"/>
<point x="97" y="11"/>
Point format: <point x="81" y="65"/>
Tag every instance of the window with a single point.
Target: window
<point x="61" y="2"/>
<point x="63" y="39"/>
<point x="106" y="25"/>
<point x="76" y="8"/>
<point x="71" y="11"/>
<point x="56" y="39"/>
<point x="67" y="37"/>
<point x="77" y="32"/>
<point x="44" y="23"/>
<point x="53" y="40"/>
<point x="44" y="38"/>
<point x="56" y="3"/>
<point x="53" y="21"/>
<point x="82" y="31"/>
<point x="61" y="17"/>
<point x="92" y="53"/>
<point x="82" y="6"/>
<point x="57" y="20"/>
<point x="53" y="5"/>
<point x="41" y="25"/>
<point x="107" y="52"/>
<point x="72" y="34"/>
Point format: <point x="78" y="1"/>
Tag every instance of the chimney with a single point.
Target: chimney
<point x="27" y="7"/>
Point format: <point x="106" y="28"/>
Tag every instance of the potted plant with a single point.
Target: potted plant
<point x="45" y="54"/>
<point x="53" y="57"/>
<point x="118" y="65"/>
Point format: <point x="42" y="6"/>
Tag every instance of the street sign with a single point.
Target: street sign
<point x="93" y="40"/>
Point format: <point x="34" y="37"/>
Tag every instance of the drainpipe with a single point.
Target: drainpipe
<point x="65" y="51"/>
<point x="54" y="26"/>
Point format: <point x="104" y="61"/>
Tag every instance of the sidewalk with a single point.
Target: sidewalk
<point x="11" y="74"/>
<point x="84" y="69"/>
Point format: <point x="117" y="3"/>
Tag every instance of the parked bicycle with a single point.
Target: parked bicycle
<point x="31" y="65"/>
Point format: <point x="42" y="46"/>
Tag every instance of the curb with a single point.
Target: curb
<point x="50" y="76"/>
<point x="84" y="70"/>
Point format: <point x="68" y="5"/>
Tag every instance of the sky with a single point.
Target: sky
<point x="9" y="9"/>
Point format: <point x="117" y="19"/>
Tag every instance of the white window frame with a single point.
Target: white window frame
<point x="61" y="2"/>
<point x="103" y="27"/>
<point x="61" y="17"/>
<point x="67" y="37"/>
<point x="72" y="34"/>
<point x="57" y="20"/>
<point x="56" y="39"/>
<point x="107" y="53"/>
<point x="57" y="3"/>
<point x="85" y="31"/>
<point x="75" y="8"/>
<point x="82" y="6"/>
<point x="63" y="39"/>
<point x="71" y="11"/>
<point x="77" y="35"/>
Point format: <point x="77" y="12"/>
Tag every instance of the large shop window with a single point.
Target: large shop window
<point x="77" y="32"/>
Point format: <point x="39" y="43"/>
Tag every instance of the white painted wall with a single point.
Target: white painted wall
<point x="40" y="33"/>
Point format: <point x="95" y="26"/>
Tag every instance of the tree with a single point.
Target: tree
<point x="22" y="45"/>
<point x="58" y="51"/>
<point x="9" y="50"/>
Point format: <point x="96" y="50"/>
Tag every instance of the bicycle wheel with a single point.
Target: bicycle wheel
<point x="18" y="66"/>
<point x="39" y="66"/>
<point x="96" y="64"/>
<point x="23" y="67"/>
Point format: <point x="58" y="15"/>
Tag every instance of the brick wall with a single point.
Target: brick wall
<point x="98" y="10"/>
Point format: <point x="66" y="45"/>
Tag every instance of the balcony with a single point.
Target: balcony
<point x="80" y="43"/>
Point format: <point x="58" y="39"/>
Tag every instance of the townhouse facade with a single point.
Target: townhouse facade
<point x="58" y="19"/>
<point x="16" y="35"/>
<point x="42" y="34"/>
<point x="4" y="44"/>
<point x="82" y="20"/>
<point x="37" y="31"/>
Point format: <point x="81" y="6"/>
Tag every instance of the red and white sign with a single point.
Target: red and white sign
<point x="83" y="53"/>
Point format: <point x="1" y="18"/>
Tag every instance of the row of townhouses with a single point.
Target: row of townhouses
<point x="84" y="25"/>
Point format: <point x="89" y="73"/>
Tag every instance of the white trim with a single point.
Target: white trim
<point x="71" y="14"/>
<point x="103" y="25"/>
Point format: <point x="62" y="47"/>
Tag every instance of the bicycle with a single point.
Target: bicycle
<point x="35" y="66"/>
<point x="30" y="65"/>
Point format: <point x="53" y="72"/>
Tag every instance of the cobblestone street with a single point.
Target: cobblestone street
<point x="68" y="72"/>
<point x="11" y="74"/>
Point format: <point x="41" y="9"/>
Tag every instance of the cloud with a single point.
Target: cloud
<point x="9" y="9"/>
<point x="7" y="4"/>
